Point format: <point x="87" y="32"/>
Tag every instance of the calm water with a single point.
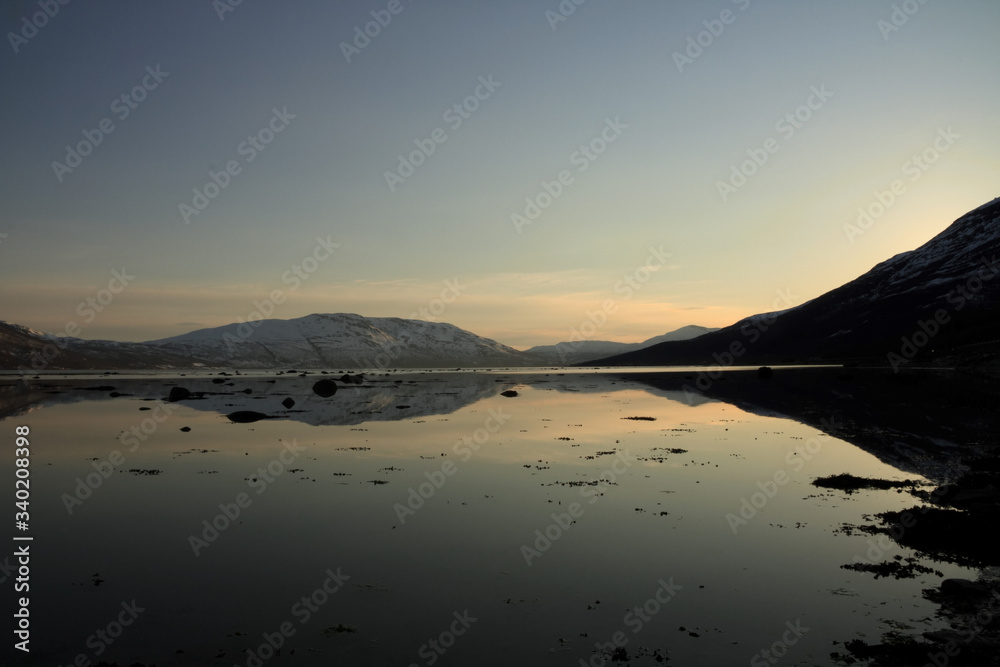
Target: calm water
<point x="448" y="524"/>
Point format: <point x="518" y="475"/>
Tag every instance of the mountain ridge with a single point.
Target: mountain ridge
<point x="320" y="340"/>
<point x="939" y="302"/>
<point x="342" y="340"/>
<point x="581" y="351"/>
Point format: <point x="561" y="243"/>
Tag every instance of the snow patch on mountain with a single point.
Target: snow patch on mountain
<point x="341" y="340"/>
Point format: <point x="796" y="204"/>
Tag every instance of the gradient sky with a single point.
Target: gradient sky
<point x="894" y="93"/>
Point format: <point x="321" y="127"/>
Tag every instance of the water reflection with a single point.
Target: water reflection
<point x="365" y="533"/>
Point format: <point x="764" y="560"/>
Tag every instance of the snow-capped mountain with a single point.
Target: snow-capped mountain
<point x="343" y="341"/>
<point x="938" y="302"/>
<point x="582" y="351"/>
<point x="314" y="341"/>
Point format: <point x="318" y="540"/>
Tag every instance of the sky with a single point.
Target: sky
<point x="516" y="168"/>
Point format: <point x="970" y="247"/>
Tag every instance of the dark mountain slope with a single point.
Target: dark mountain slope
<point x="938" y="302"/>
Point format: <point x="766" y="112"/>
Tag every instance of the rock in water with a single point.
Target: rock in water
<point x="325" y="388"/>
<point x="246" y="416"/>
<point x="178" y="394"/>
<point x="510" y="393"/>
<point x="288" y="403"/>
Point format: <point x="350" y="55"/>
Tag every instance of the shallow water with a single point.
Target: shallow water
<point x="550" y="522"/>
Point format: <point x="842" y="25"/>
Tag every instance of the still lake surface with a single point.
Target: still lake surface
<point x="449" y="524"/>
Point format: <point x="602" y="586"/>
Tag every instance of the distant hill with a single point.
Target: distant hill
<point x="315" y="341"/>
<point x="936" y="304"/>
<point x="582" y="351"/>
<point x="28" y="350"/>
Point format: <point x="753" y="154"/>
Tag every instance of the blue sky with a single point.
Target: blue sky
<point x="878" y="100"/>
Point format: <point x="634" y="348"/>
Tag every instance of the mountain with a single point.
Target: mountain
<point x="582" y="351"/>
<point x="938" y="303"/>
<point x="343" y="341"/>
<point x="684" y="333"/>
<point x="27" y="350"/>
<point x="314" y="341"/>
